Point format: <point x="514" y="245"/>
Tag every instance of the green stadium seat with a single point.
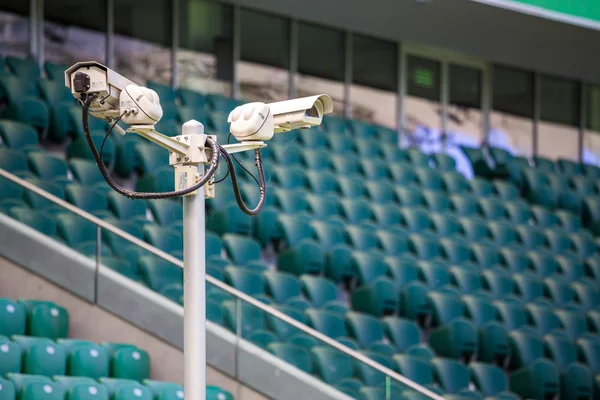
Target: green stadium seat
<point x="360" y="237"/>
<point x="445" y="225"/>
<point x="559" y="292"/>
<point x="247" y="281"/>
<point x="541" y="371"/>
<point x="490" y="380"/>
<point x="455" y="182"/>
<point x="35" y="387"/>
<point x="318" y="290"/>
<point x="392" y="243"/>
<point x="13" y="318"/>
<point x="573" y="322"/>
<point x="330" y="365"/>
<point x="313" y="141"/>
<point x="149" y="157"/>
<point x="79" y="148"/>
<point x="557" y="240"/>
<point x="241" y="249"/>
<point x="85" y="359"/>
<point x="591" y="214"/>
<point x="46" y="319"/>
<point x="417" y="158"/>
<point x="321" y="182"/>
<point x="588" y="350"/>
<point x="48" y="167"/>
<point x="290" y="201"/>
<point x="593" y="317"/>
<point x="570" y="267"/>
<point x="504" y="190"/>
<point x="493" y="337"/>
<point x="368" y="375"/>
<point x="23" y="68"/>
<point x="340" y="144"/>
<point x="378" y="192"/>
<point x="429" y="179"/>
<point x="366" y="329"/>
<point x="293" y="354"/>
<point x="160" y="179"/>
<point x="586" y="294"/>
<point x="378" y="296"/>
<point x="451" y="375"/>
<point x="36" y="220"/>
<point x="125" y="208"/>
<point x="575" y="378"/>
<point x="118" y="244"/>
<point x="518" y="212"/>
<point x="502" y="233"/>
<point x="464" y="205"/>
<point x="492" y="208"/>
<point x="542" y="318"/>
<point x="542" y="263"/>
<point x="38" y="202"/>
<point x="410" y="196"/>
<point x="191" y="98"/>
<point x="437" y="202"/>
<point x="10" y="357"/>
<point x="455" y="337"/>
<point x="127" y="362"/>
<point x="467" y="280"/>
<point x="264" y="338"/>
<point x="393" y="154"/>
<point x="455" y="251"/>
<point x="282" y="329"/>
<point x="482" y="188"/>
<point x="167" y="240"/>
<point x="416" y="220"/>
<point x="511" y="313"/>
<point x="41" y="356"/>
<point x="164" y="390"/>
<point x="386" y="215"/>
<point x="584" y="244"/>
<point x="280" y="286"/>
<point x="515" y="260"/>
<point x="355" y="211"/>
<point x="126" y="389"/>
<point x="474" y="228"/>
<point x="315" y="159"/>
<point x="55" y="72"/>
<point x="326" y="322"/>
<point x="166" y="93"/>
<point x="158" y="273"/>
<point x="528" y="286"/>
<point x="374" y="169"/>
<point x="165" y="212"/>
<point x="403" y="333"/>
<point x="80" y="196"/>
<point x="403" y="173"/>
<point x="253" y="319"/>
<point x="18" y="136"/>
<point x="216" y="393"/>
<point x="7" y="390"/>
<point x="497" y="282"/>
<point x="485" y="255"/>
<point x="526" y="347"/>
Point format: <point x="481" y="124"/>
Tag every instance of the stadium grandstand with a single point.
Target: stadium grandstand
<point x="436" y="237"/>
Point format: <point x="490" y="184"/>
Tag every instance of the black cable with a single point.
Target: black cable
<point x="262" y="187"/>
<point x="224" y="177"/>
<point x="214" y="162"/>
<point x="240" y="164"/>
<point x="109" y="131"/>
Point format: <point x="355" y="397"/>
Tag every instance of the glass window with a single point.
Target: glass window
<point x="422" y="106"/>
<point x="143" y="40"/>
<point x="205" y="60"/>
<point x="558" y="132"/>
<point x="74" y="31"/>
<point x="512" y="110"/>
<point x="591" y="141"/>
<point x="464" y="111"/>
<point x="373" y="94"/>
<point x="321" y="53"/>
<point x="264" y="69"/>
<point x="14" y="28"/>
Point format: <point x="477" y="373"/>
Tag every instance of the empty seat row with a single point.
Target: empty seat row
<point x="33" y="317"/>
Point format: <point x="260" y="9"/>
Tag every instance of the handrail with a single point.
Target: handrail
<point x="236" y="293"/>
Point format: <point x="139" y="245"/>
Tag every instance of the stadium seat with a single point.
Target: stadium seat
<point x="85" y="358"/>
<point x="241" y="249"/>
<point x="216" y="393"/>
<point x="293" y="354"/>
<point x="401" y="332"/>
<point x="511" y="313"/>
<point x="374" y="169"/>
<point x="424" y="246"/>
<point x="331" y="365"/>
<point x="164" y="390"/>
<point x="445" y="225"/>
<point x="326" y="322"/>
<point x="245" y="280"/>
<point x="455" y="337"/>
<point x="252" y="321"/>
<point x="280" y="286"/>
<point x="18" y="136"/>
<point x="559" y="292"/>
<point x="41" y="356"/>
<point x="318" y="290"/>
<point x="584" y="244"/>
<point x="575" y="378"/>
<point x="451" y="375"/>
<point x="46" y="319"/>
<point x="588" y="350"/>
<point x="48" y="167"/>
<point x="403" y="173"/>
<point x="10" y="357"/>
<point x="80" y="196"/>
<point x="467" y="280"/>
<point x="380" y="192"/>
<point x="437" y="202"/>
<point x="497" y="282"/>
<point x="417" y="158"/>
<point x="39" y="221"/>
<point x="586" y="294"/>
<point x="128" y="362"/>
<point x="573" y="322"/>
<point x="158" y="273"/>
<point x="434" y="273"/>
<point x="13" y="318"/>
<point x="518" y="212"/>
<point x="543" y="217"/>
<point x="126" y="389"/>
<point x="126" y="209"/>
<point x="340" y="144"/>
<point x="455" y="251"/>
<point x="493" y="337"/>
<point x="284" y="330"/>
<point x="369" y="375"/>
<point x="35" y="387"/>
<point x="474" y="228"/>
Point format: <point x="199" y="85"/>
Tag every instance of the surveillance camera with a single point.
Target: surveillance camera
<point x="259" y="121"/>
<point x="92" y="77"/>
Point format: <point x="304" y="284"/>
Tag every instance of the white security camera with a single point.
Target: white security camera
<point x="259" y="121"/>
<point x="115" y="94"/>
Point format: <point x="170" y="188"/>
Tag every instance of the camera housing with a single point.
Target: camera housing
<point x="259" y="121"/>
<point x="92" y="77"/>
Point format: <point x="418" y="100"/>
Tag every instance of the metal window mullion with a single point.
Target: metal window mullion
<point x="110" y="34"/>
<point x="536" y="111"/>
<point x="487" y="93"/>
<point x="583" y="117"/>
<point x="174" y="42"/>
<point x="348" y="78"/>
<point x="293" y="58"/>
<point x="235" y="84"/>
<point x="401" y="81"/>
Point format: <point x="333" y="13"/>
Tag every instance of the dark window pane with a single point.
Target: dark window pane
<point x="205" y="26"/>
<point x="148" y="20"/>
<point x="465" y="86"/>
<point x="374" y="63"/>
<point x="423" y="78"/>
<point x="20" y="7"/>
<point x="75" y="31"/>
<point x="90" y="14"/>
<point x="559" y="100"/>
<point x="513" y="91"/>
<point x="265" y="39"/>
<point x="321" y="51"/>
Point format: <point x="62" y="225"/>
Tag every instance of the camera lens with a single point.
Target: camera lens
<point x="81" y="82"/>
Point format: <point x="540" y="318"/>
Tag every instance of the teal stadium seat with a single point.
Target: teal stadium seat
<point x="18" y="136"/>
<point x="126" y="389"/>
<point x="41" y="356"/>
<point x="293" y="354"/>
<point x="13" y="317"/>
<point x="158" y="273"/>
<point x="85" y="358"/>
<point x="128" y="361"/>
<point x="10" y="357"/>
<point x="46" y="319"/>
<point x="331" y="366"/>
<point x="81" y="388"/>
<point x="36" y="387"/>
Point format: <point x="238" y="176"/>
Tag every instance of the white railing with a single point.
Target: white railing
<point x="394" y="376"/>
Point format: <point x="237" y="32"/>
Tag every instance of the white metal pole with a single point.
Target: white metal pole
<point x="194" y="289"/>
